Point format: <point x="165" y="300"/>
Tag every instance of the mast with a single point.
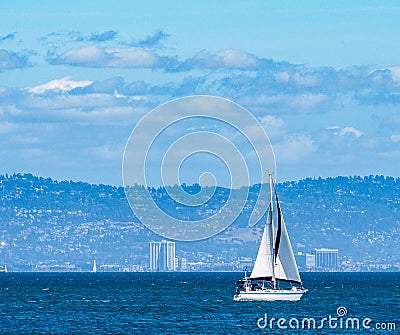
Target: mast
<point x="270" y="230"/>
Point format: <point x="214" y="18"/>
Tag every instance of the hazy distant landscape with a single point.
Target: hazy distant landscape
<point x="49" y="225"/>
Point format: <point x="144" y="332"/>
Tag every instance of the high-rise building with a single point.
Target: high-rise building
<point x="162" y="256"/>
<point x="156" y="257"/>
<point x="326" y="259"/>
<point x="183" y="264"/>
<point x="170" y="256"/>
<point x="310" y="262"/>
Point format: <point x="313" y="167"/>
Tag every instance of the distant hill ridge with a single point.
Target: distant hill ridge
<point x="43" y="220"/>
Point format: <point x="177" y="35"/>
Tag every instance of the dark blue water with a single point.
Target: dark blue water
<point x="187" y="303"/>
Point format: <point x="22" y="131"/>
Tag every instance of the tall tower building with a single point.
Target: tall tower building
<point x="154" y="256"/>
<point x="170" y="256"/>
<point x="162" y="256"/>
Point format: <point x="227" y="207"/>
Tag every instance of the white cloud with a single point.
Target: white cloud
<point x="94" y="56"/>
<point x="272" y="125"/>
<point x="237" y="59"/>
<point x="13" y="110"/>
<point x="7" y="127"/>
<point x="99" y="109"/>
<point x="306" y="80"/>
<point x="229" y="58"/>
<point x="282" y="77"/>
<point x="395" y="70"/>
<point x="12" y="60"/>
<point x="346" y="131"/>
<point x="134" y="57"/>
<point x="395" y="138"/>
<point x="294" y="148"/>
<point x="271" y="121"/>
<point x="64" y="85"/>
<point x="350" y="131"/>
<point x="296" y="103"/>
<point x="105" y="152"/>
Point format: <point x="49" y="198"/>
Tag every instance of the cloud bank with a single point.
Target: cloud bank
<point x="101" y="83"/>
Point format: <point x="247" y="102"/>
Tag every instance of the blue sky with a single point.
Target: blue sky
<point x="323" y="78"/>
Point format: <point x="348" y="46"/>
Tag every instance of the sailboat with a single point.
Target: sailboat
<point x="94" y="266"/>
<point x="4" y="270"/>
<point x="275" y="275"/>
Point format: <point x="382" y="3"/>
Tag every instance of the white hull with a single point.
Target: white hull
<point x="270" y="295"/>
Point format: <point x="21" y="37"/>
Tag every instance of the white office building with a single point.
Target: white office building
<point x="162" y="256"/>
<point x="326" y="259"/>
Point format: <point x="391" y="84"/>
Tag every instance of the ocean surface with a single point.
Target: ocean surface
<point x="193" y="303"/>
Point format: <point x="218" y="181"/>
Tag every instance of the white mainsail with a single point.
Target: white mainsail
<point x="275" y="259"/>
